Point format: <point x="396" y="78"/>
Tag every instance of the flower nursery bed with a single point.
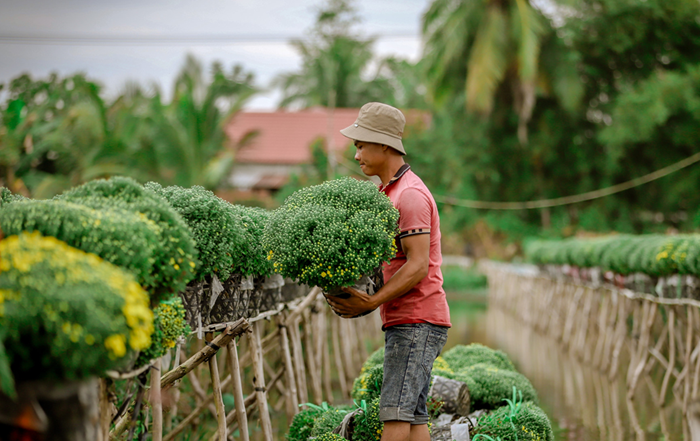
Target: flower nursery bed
<point x="495" y="402"/>
<point x="659" y="265"/>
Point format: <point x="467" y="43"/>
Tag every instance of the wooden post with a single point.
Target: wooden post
<point x="298" y="356"/>
<point x="194" y="414"/>
<point x="313" y="368"/>
<point x="175" y="390"/>
<point x="235" y="369"/>
<point x="335" y="323"/>
<point x="291" y="390"/>
<point x="643" y="347"/>
<point x="156" y="401"/>
<point x="671" y="356"/>
<point x="205" y="353"/>
<point x="259" y="381"/>
<point x="688" y="350"/>
<point x="218" y="398"/>
<point x="325" y="351"/>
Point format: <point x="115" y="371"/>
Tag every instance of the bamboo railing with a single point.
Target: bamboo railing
<point x="296" y="352"/>
<point x="621" y="333"/>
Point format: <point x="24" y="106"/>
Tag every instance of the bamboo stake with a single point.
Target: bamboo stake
<point x="689" y="348"/>
<point x="200" y="393"/>
<point x="204" y="354"/>
<point x="156" y="402"/>
<point x="291" y="389"/>
<point x="325" y="350"/>
<point x="303" y="305"/>
<point x="313" y="368"/>
<point x="250" y="402"/>
<point x="195" y="413"/>
<point x="297" y="354"/>
<point x="337" y="356"/>
<point x="643" y="349"/>
<point x="620" y="338"/>
<point x="259" y="381"/>
<point x="268" y="344"/>
<point x="639" y="316"/>
<point x="175" y="393"/>
<point x="696" y="377"/>
<point x="235" y="369"/>
<point x="671" y="357"/>
<point x="218" y="397"/>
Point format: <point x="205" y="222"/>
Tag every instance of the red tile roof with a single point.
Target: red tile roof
<point x="284" y="137"/>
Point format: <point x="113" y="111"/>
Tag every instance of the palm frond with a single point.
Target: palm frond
<point x="487" y="62"/>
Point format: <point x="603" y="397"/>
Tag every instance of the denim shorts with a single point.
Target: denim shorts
<point x="410" y="351"/>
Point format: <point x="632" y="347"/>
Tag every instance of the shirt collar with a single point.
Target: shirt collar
<point x="404" y="168"/>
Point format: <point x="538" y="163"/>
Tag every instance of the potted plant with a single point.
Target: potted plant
<point x="333" y="235"/>
<point x="67" y="317"/>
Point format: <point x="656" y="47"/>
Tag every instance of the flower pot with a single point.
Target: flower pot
<point x="254" y="286"/>
<point x="272" y="292"/>
<point x="369" y="283"/>
<point x="195" y="300"/>
<point x="292" y="290"/>
<point x="232" y="302"/>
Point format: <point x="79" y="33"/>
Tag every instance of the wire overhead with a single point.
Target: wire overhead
<point x="157" y="40"/>
<point x="567" y="200"/>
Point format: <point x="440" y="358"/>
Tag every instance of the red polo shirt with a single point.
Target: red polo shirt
<point x="425" y="302"/>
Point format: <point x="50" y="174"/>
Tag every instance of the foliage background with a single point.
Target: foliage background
<point x="525" y="102"/>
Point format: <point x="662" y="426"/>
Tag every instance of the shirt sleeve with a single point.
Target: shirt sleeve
<point x="415" y="212"/>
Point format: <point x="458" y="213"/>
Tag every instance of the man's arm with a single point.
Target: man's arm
<point x="417" y="250"/>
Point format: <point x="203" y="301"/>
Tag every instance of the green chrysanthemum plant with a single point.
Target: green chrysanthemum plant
<point x="331" y="235"/>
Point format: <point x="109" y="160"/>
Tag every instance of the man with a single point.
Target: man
<point x="412" y="303"/>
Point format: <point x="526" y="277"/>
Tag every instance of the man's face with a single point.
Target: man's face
<point x="371" y="157"/>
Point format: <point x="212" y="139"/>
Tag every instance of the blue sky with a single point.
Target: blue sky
<point x="114" y="65"/>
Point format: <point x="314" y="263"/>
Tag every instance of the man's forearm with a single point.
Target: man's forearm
<point x="401" y="282"/>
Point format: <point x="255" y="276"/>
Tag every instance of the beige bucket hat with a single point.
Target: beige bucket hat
<point x="378" y="123"/>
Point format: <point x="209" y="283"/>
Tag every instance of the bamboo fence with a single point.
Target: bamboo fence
<point x="629" y="337"/>
<point x="295" y="354"/>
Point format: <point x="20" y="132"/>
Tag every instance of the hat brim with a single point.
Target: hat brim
<point x="360" y="133"/>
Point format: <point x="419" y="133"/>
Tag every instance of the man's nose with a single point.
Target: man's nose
<point x="357" y="156"/>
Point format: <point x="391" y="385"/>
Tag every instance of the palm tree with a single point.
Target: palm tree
<point x="334" y="64"/>
<point x="480" y="46"/>
<point x="184" y="142"/>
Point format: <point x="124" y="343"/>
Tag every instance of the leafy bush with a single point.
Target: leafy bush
<point x="327" y="421"/>
<point x="329" y="235"/>
<point x="367" y="426"/>
<point x="457" y="279"/>
<point x="253" y="260"/>
<point x="461" y="356"/>
<point x="302" y="423"/>
<point x="175" y="258"/>
<point x="118" y="236"/>
<point x="652" y="254"/>
<point x="530" y="424"/>
<point x="217" y="231"/>
<point x="369" y="384"/>
<point x="6" y="196"/>
<point x="489" y="385"/>
<point x="375" y="359"/>
<point x="168" y="325"/>
<point x="66" y="314"/>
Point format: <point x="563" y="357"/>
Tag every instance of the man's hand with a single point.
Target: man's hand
<point x="358" y="303"/>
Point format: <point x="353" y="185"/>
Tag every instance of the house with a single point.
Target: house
<point x="275" y="145"/>
<point x="280" y="143"/>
